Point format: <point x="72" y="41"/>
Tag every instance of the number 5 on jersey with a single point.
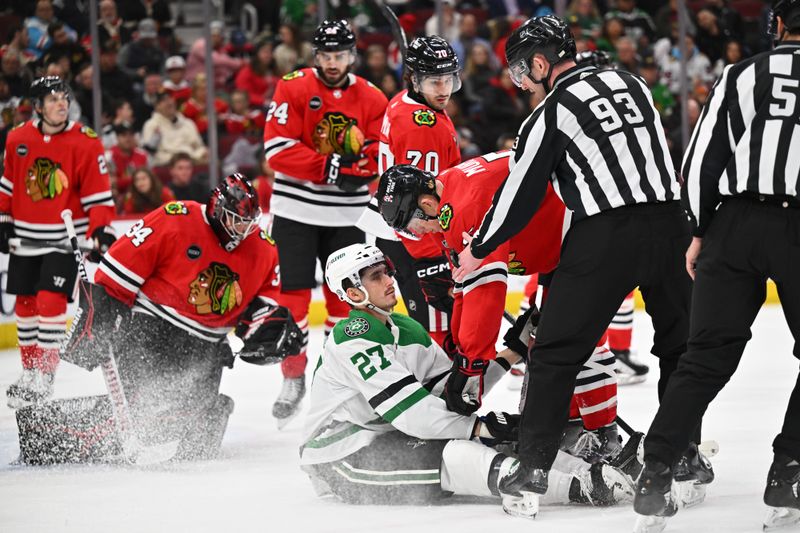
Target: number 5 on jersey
<point x="138" y="233"/>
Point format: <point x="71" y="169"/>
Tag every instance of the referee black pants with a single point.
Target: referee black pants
<point x="746" y="243"/>
<point x="604" y="257"/>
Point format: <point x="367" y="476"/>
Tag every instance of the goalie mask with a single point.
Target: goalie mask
<point x="233" y="211"/>
<point x="345" y="267"/>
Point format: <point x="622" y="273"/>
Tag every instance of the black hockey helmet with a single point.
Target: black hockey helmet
<point x="233" y="210"/>
<point x="547" y="35"/>
<point x="431" y="56"/>
<point x="398" y="192"/>
<point x="788" y="11"/>
<point x="45" y="85"/>
<point x="333" y="36"/>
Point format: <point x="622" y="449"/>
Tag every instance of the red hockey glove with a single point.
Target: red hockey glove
<point x="348" y="172"/>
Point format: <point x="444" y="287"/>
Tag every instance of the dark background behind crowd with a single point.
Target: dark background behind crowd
<point x="154" y="86"/>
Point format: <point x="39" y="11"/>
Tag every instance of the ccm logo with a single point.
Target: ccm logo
<point x="432" y="270"/>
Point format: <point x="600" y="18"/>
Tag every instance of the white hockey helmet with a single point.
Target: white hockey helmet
<point x="347" y="264"/>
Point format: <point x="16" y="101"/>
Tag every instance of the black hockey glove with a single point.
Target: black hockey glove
<point x="520" y="336"/>
<point x="269" y="334"/>
<point x="102" y="239"/>
<point x="436" y="282"/>
<point x="497" y="427"/>
<point x="6" y="231"/>
<point x="449" y="346"/>
<point x="348" y="172"/>
<point x="464" y="387"/>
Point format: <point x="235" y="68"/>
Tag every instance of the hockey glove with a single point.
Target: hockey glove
<point x="348" y="172"/>
<point x="436" y="282"/>
<point x="464" y="387"/>
<point x="269" y="334"/>
<point x="102" y="239"/>
<point x="519" y="338"/>
<point x="449" y="346"/>
<point x="497" y="427"/>
<point x="6" y="231"/>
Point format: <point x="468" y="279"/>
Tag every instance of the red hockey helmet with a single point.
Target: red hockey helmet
<point x="233" y="210"/>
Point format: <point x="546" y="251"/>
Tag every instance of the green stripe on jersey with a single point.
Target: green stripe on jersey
<point x="336" y="437"/>
<point x="404" y="405"/>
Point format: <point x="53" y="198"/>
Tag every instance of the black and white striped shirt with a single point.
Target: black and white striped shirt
<point x="748" y="136"/>
<point x="599" y="138"/>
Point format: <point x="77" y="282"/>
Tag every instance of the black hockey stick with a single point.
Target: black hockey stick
<point x="397" y="30"/>
<point x="625" y="426"/>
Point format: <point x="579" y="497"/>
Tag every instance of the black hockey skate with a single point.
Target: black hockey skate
<point x="628" y="370"/>
<point x="32" y="387"/>
<point x="593" y="446"/>
<point x="287" y="404"/>
<point x="654" y="501"/>
<point x="630" y="460"/>
<point x="692" y="473"/>
<point x="782" y="494"/>
<point x="521" y="489"/>
<point x="602" y="485"/>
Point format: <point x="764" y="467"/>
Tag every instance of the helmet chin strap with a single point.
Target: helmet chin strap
<point x="544" y="82"/>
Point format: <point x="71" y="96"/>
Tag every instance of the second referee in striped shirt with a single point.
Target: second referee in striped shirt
<point x="598" y="137"/>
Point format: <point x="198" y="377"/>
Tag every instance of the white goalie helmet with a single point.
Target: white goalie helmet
<point x="347" y="264"/>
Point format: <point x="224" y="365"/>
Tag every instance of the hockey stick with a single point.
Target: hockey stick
<point x="625" y="426"/>
<point x="17" y="243"/>
<point x="398" y="33"/>
<point x="131" y="447"/>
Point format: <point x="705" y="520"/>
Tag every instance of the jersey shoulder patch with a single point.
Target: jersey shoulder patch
<point x="176" y="208"/>
<point x="293" y="75"/>
<point x="266" y="237"/>
<point x="411" y="331"/>
<point x="359" y="326"/>
<point x="445" y="216"/>
<point x="424" y="117"/>
<point x="89" y="132"/>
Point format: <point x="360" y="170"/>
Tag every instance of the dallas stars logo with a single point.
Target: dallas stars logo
<point x="445" y="216"/>
<point x="357" y="326"/>
<point x="424" y="117"/>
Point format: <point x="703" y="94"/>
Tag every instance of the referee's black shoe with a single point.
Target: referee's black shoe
<point x="653" y="491"/>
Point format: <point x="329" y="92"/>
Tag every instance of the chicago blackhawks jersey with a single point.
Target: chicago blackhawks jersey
<point x="45" y="174"/>
<point x="171" y="265"/>
<point x="480" y="297"/>
<point x="305" y="123"/>
<point x="373" y="378"/>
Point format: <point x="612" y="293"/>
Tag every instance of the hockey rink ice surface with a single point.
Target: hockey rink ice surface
<point x="256" y="484"/>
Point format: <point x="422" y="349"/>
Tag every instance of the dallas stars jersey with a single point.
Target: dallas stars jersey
<point x="305" y="123"/>
<point x="373" y="378"/>
<point x="45" y="174"/>
<point x="170" y="265"/>
<point x="480" y="297"/>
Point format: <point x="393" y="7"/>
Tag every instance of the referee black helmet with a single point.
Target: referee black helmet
<point x="789" y="12"/>
<point x="549" y="36"/>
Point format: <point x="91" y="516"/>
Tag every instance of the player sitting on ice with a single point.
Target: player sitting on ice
<point x="378" y="430"/>
<point x="166" y="295"/>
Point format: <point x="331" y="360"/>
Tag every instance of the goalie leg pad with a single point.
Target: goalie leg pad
<point x="466" y="466"/>
<point x="202" y="439"/>
<point x="77" y="430"/>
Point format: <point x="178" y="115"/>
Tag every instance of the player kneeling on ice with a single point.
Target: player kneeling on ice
<point x="378" y="430"/>
<point x="166" y="296"/>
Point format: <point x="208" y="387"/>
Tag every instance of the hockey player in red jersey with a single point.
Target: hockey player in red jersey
<point x="51" y="164"/>
<point x="451" y="206"/>
<point x="321" y="140"/>
<point x="417" y="131"/>
<point x="166" y="295"/>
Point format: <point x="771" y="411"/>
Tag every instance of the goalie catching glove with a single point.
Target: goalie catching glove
<point x="348" y="172"/>
<point x="269" y="334"/>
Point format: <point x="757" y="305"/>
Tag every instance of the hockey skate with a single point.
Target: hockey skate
<point x="521" y="489"/>
<point x="594" y="445"/>
<point x="629" y="371"/>
<point x="782" y="494"/>
<point x="603" y="485"/>
<point x="630" y="460"/>
<point x="287" y="405"/>
<point x="655" y="498"/>
<point x="692" y="474"/>
<point x="32" y="387"/>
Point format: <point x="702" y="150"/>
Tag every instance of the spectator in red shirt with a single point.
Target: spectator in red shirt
<point x="241" y="119"/>
<point x="195" y="107"/>
<point x="147" y="193"/>
<point x="125" y="157"/>
<point x="225" y="66"/>
<point x="176" y="83"/>
<point x="259" y="77"/>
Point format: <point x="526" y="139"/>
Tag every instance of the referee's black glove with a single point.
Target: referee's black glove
<point x="521" y="335"/>
<point x="6" y="231"/>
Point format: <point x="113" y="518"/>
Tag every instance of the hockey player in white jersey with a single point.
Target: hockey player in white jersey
<point x="378" y="430"/>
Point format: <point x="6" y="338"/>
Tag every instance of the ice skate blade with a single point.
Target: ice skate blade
<point x="524" y="506"/>
<point x="690" y="493"/>
<point x="630" y="379"/>
<point x="781" y="517"/>
<point x="649" y="524"/>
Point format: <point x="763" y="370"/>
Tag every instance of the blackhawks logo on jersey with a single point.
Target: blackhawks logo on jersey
<point x="293" y="75"/>
<point x="176" y="208"/>
<point x="338" y="133"/>
<point x="89" y="132"/>
<point x="215" y="290"/>
<point x="424" y="117"/>
<point x="356" y="326"/>
<point x="45" y="179"/>
<point x="445" y="216"/>
<point x="515" y="267"/>
<point x="267" y="237"/>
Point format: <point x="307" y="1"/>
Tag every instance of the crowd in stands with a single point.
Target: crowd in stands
<point x="154" y="88"/>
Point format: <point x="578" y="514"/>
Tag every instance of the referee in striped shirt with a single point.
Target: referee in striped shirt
<point x="599" y="139"/>
<point x="741" y="175"/>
